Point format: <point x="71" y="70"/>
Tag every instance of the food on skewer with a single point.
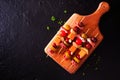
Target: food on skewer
<point x="66" y="56"/>
<point x="83" y="36"/>
<point x="64" y="31"/>
<point x="64" y="40"/>
<point x="68" y="40"/>
<point x="77" y="57"/>
<point x="55" y="45"/>
<point x="88" y="45"/>
<point x="92" y="40"/>
<point x="83" y="51"/>
<point x="72" y="49"/>
<point x="79" y="40"/>
<point x="63" y="45"/>
<point x="73" y="44"/>
<point x="81" y="24"/>
<point x="73" y="32"/>
<point x="53" y="48"/>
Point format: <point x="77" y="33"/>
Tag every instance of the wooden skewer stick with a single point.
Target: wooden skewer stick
<point x="87" y="31"/>
<point x="59" y="53"/>
<point x="62" y="48"/>
<point x="71" y="67"/>
<point x="62" y="60"/>
<point x="47" y="56"/>
<point x="96" y="35"/>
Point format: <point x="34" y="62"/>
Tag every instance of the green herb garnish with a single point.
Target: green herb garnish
<point x="65" y="11"/>
<point x="53" y="18"/>
<point x="60" y="22"/>
<point x="48" y="27"/>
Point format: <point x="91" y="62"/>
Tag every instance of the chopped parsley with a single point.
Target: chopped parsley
<point x="65" y="11"/>
<point x="60" y="22"/>
<point x="53" y="18"/>
<point x="48" y="27"/>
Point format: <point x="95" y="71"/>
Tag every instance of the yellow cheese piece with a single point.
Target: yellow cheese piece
<point x="83" y="52"/>
<point x="72" y="48"/>
<point x="67" y="27"/>
<point x="57" y="40"/>
<point x="76" y="59"/>
<point x="67" y="54"/>
<point x="72" y="34"/>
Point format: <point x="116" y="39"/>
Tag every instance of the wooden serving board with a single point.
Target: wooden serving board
<point x="76" y="39"/>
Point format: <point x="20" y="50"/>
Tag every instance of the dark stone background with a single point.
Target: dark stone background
<point x="23" y="36"/>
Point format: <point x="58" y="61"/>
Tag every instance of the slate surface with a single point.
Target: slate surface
<point x="23" y="36"/>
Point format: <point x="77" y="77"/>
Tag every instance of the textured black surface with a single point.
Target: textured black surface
<point x="23" y="36"/>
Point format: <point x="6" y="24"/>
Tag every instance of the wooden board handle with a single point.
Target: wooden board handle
<point x="78" y="37"/>
<point x="102" y="8"/>
<point x="94" y="18"/>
